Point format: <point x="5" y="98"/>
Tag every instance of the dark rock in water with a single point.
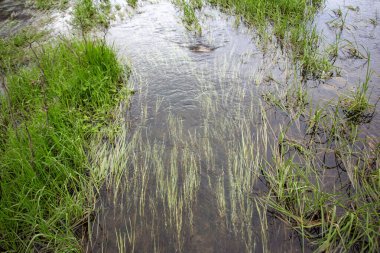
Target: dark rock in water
<point x="201" y="48"/>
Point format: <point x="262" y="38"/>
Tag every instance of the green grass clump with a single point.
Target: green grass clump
<point x="312" y="63"/>
<point x="87" y="15"/>
<point x="12" y="49"/>
<point x="356" y="107"/>
<point x="189" y="17"/>
<point x="50" y="110"/>
<point x="329" y="221"/>
<point x="283" y="14"/>
<point x="197" y="4"/>
<point x="132" y="3"/>
<point x="291" y="23"/>
<point x="48" y="4"/>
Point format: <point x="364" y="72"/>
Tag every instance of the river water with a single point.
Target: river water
<point x="179" y="182"/>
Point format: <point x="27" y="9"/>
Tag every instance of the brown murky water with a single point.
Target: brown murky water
<point x="176" y="185"/>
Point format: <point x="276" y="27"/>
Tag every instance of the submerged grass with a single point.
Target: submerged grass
<point x="321" y="177"/>
<point x="304" y="165"/>
<point x="326" y="218"/>
<point x="49" y="111"/>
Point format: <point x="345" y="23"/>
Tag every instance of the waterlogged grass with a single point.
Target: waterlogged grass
<point x="332" y="218"/>
<point x="309" y="169"/>
<point x="132" y="3"/>
<point x="291" y="23"/>
<point x="189" y="17"/>
<point x="322" y="178"/>
<point x="356" y="106"/>
<point x="155" y="184"/>
<point x="48" y="4"/>
<point x="285" y="15"/>
<point x="49" y="112"/>
<point x="88" y="15"/>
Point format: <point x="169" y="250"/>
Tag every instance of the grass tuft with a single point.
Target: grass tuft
<point x="132" y="3"/>
<point x="50" y="110"/>
<point x="291" y="23"/>
<point x="356" y="107"/>
<point x="49" y="4"/>
<point x="189" y="17"/>
<point x="88" y="15"/>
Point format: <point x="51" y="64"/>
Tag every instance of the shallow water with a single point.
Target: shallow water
<point x="175" y="186"/>
<point x="183" y="81"/>
<point x="358" y="29"/>
<point x="188" y="85"/>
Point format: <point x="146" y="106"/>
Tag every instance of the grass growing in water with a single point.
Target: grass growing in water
<point x="291" y="22"/>
<point x="251" y="170"/>
<point x="49" y="112"/>
<point x="331" y="210"/>
<point x="48" y="4"/>
<point x="356" y="107"/>
<point x="132" y="3"/>
<point x="88" y="15"/>
<point x="189" y="17"/>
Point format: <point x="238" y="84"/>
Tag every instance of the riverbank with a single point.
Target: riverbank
<point x="56" y="99"/>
